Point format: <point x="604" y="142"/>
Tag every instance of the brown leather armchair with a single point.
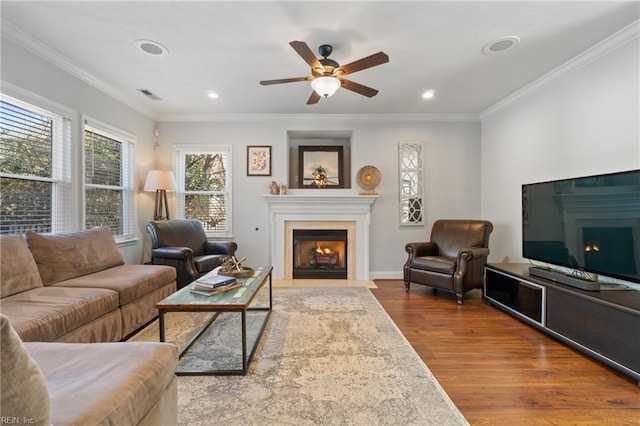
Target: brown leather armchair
<point x="183" y="244"/>
<point x="453" y="260"/>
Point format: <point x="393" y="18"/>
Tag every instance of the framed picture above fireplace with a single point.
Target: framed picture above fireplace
<point x="320" y="167"/>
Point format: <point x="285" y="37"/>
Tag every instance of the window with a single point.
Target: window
<point x="204" y="187"/>
<point x="35" y="169"/>
<point x="410" y="168"/>
<point x="108" y="179"/>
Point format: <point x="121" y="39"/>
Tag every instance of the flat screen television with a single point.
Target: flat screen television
<point x="589" y="224"/>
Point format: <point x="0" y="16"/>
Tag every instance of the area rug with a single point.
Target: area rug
<point x="329" y="356"/>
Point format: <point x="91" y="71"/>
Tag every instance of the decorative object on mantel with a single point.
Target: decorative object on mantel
<point x="232" y="267"/>
<point x="274" y="188"/>
<point x="368" y="178"/>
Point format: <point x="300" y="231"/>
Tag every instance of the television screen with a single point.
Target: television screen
<point x="588" y="223"/>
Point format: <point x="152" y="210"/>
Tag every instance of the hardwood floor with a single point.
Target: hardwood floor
<point x="501" y="371"/>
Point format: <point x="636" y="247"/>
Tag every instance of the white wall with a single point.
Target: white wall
<point x="452" y="175"/>
<point x="452" y="149"/>
<point x="29" y="72"/>
<point x="586" y="122"/>
<point x="583" y="123"/>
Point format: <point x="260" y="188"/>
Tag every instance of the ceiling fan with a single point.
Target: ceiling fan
<point x="327" y="75"/>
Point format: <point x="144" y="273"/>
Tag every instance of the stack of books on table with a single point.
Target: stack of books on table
<point x="210" y="284"/>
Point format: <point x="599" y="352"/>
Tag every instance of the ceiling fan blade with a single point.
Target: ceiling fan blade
<point x="305" y="52"/>
<point x="314" y="98"/>
<point x="284" y="80"/>
<point x="358" y="88"/>
<point x="364" y="63"/>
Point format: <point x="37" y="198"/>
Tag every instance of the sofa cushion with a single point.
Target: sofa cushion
<point x="18" y="270"/>
<point x="47" y="313"/>
<point x="130" y="281"/>
<point x="104" y="383"/>
<point x="68" y="255"/>
<point x="24" y="391"/>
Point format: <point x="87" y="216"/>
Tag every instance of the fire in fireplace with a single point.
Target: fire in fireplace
<point x="319" y="253"/>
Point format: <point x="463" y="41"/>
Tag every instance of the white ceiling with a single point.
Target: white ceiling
<point x="229" y="47"/>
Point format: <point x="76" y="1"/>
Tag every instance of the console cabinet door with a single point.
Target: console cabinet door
<point x="610" y="332"/>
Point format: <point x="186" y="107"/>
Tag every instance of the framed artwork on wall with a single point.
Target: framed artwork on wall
<point x="320" y="167"/>
<point x="258" y="160"/>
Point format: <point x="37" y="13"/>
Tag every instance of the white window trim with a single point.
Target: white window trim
<point x="179" y="151"/>
<point x="129" y="206"/>
<point x="45" y="107"/>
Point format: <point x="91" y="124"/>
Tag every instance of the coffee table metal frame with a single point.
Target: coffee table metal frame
<point x="236" y="300"/>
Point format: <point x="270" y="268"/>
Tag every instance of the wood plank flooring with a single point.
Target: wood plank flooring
<point x="501" y="371"/>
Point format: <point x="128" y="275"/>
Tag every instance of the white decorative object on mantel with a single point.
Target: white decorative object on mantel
<point x="344" y="209"/>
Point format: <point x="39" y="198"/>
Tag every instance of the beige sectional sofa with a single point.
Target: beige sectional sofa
<point x="80" y="384"/>
<point x="75" y="287"/>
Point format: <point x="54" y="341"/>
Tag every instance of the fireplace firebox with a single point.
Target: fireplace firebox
<point x="319" y="253"/>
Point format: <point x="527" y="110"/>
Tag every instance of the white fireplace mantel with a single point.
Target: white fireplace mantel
<point x="320" y="207"/>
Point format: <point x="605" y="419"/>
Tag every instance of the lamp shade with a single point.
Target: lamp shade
<point x="160" y="179"/>
<point x="325" y="86"/>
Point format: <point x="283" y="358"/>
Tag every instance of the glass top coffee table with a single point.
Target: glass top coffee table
<point x="238" y="300"/>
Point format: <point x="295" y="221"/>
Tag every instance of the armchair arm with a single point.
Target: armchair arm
<point x="180" y="258"/>
<point x="471" y="253"/>
<point x="418" y="249"/>
<point x="179" y="253"/>
<point x="221" y="247"/>
<point x="469" y="269"/>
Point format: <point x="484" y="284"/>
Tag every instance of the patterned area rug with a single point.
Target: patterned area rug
<point x="329" y="356"/>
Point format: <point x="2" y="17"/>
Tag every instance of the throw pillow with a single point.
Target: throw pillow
<point x="24" y="390"/>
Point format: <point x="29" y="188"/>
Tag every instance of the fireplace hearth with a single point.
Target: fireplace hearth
<point x="319" y="254"/>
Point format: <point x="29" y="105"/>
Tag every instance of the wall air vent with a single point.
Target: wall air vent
<point x="149" y="94"/>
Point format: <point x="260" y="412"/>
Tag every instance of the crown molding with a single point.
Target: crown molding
<point x="604" y="47"/>
<point x="348" y="118"/>
<point x="16" y="35"/>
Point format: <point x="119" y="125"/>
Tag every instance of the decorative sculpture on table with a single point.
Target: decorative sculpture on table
<point x="233" y="267"/>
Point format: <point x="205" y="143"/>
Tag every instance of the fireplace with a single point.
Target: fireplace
<point x="320" y="210"/>
<point x="319" y="253"/>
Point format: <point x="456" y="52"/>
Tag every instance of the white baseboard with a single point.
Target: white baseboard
<point x="385" y="275"/>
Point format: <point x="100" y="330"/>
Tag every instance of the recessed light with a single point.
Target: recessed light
<point x="152" y="48"/>
<point x="428" y="94"/>
<point x="212" y="95"/>
<point x="500" y="45"/>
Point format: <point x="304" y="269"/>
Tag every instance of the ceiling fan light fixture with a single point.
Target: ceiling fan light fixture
<point x="325" y="86"/>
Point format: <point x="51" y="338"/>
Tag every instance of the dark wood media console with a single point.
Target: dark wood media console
<point x="602" y="324"/>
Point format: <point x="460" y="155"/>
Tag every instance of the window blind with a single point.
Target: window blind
<point x="109" y="179"/>
<point x="35" y="169"/>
